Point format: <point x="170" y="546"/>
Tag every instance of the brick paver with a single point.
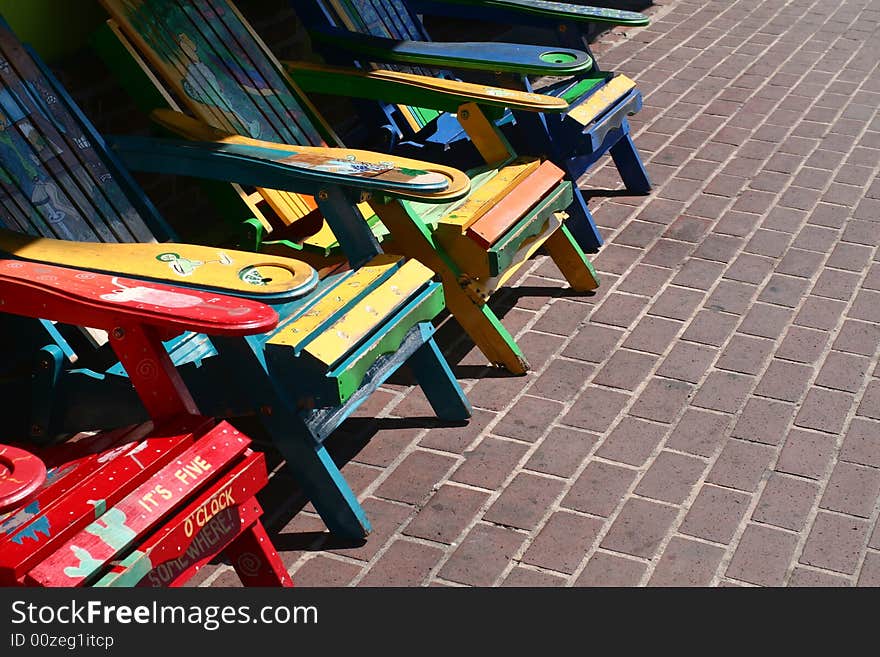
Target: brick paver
<point x="710" y="415"/>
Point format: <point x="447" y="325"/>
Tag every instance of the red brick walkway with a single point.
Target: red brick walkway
<point x="712" y="415"/>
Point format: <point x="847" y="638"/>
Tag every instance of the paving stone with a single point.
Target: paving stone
<point x="639" y="528"/>
<point x="489" y="463"/>
<point x="528" y="419"/>
<point x="835" y="542"/>
<point x="784" y="290"/>
<point x="446" y="513"/>
<point x="321" y="571"/>
<point x="843" y="372"/>
<point x="765" y="321"/>
<point x="723" y="391"/>
<point x="806" y="577"/>
<point x="784" y="381"/>
<point x="562" y="542"/>
<point x="870" y="405"/>
<point x="599" y="488"/>
<point x="710" y="327"/>
<point x="632" y="441"/>
<point x="404" y="564"/>
<point x="862" y="443"/>
<point x="524" y="501"/>
<point x="482" y="556"/>
<point x="595" y="409"/>
<point x="652" y="334"/>
<point x="414" y="478"/>
<point x="715" y="514"/>
<point x="786" y="502"/>
<point x="763" y="421"/>
<point x="745" y="354"/>
<point x="611" y="570"/>
<point x="625" y="369"/>
<point x="852" y="489"/>
<point x="762" y="556"/>
<point x="661" y="400"/>
<point x="858" y="337"/>
<point x="699" y="432"/>
<point x="671" y="477"/>
<point x="731" y="297"/>
<point x="686" y="563"/>
<point x="802" y="344"/>
<point x="806" y="453"/>
<point x="824" y="410"/>
<point x="593" y="343"/>
<point x="561" y="452"/>
<point x="526" y="578"/>
<point x="741" y="465"/>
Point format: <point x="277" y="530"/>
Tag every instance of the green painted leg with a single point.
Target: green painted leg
<point x="572" y="262"/>
<point x="318" y="475"/>
<point x="437" y="381"/>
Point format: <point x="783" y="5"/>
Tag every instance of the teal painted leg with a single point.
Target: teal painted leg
<point x="318" y="475"/>
<point x="437" y="381"/>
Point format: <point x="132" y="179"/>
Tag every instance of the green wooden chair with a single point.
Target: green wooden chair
<point x="65" y="197"/>
<point x="213" y="64"/>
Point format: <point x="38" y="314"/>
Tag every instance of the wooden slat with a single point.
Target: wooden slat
<point x="488" y="228"/>
<point x="599" y="102"/>
<point x="115" y="477"/>
<point x="203" y="528"/>
<point x="301" y="330"/>
<point x="85" y="553"/>
<point x="482" y="199"/>
<point x="342" y="336"/>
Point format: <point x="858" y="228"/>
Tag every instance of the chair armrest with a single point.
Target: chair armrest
<point x="411" y="89"/>
<point x="486" y="56"/>
<point x="106" y="302"/>
<point x="529" y="11"/>
<point x="219" y="155"/>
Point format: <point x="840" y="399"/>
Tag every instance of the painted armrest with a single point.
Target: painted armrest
<point x="218" y="155"/>
<point x="487" y="56"/>
<point x="107" y="302"/>
<point x="411" y="89"/>
<point x="528" y="11"/>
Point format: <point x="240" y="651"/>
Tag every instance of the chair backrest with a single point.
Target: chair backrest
<point x="57" y="179"/>
<point x="219" y="70"/>
<point x="391" y="19"/>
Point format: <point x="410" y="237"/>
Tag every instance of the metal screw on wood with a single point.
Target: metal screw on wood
<point x="323" y="195"/>
<point x="118" y="333"/>
<point x="464" y="114"/>
<point x="36" y="429"/>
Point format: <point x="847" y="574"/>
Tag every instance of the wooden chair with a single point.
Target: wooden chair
<point x="389" y="33"/>
<point x="571" y="22"/>
<point x="145" y="505"/>
<point x="341" y="335"/>
<point x="475" y="245"/>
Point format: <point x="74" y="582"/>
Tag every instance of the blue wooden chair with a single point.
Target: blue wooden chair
<point x="388" y="33"/>
<point x="65" y="197"/>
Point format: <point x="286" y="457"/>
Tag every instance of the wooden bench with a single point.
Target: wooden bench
<point x="145" y="505"/>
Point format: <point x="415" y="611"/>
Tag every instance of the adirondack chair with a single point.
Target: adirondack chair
<point x="144" y="505"/>
<point x="571" y="22"/>
<point x="516" y="204"/>
<point x="340" y="337"/>
<point x="388" y="32"/>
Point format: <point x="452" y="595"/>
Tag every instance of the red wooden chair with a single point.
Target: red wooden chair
<point x="146" y="505"/>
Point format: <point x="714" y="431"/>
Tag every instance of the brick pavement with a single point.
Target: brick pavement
<point x="712" y="415"/>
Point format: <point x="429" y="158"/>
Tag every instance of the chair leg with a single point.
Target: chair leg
<point x="572" y="262"/>
<point x="439" y="384"/>
<point x="485" y="329"/>
<point x="629" y="164"/>
<point x="255" y="560"/>
<point x="317" y="474"/>
<point x="580" y="221"/>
